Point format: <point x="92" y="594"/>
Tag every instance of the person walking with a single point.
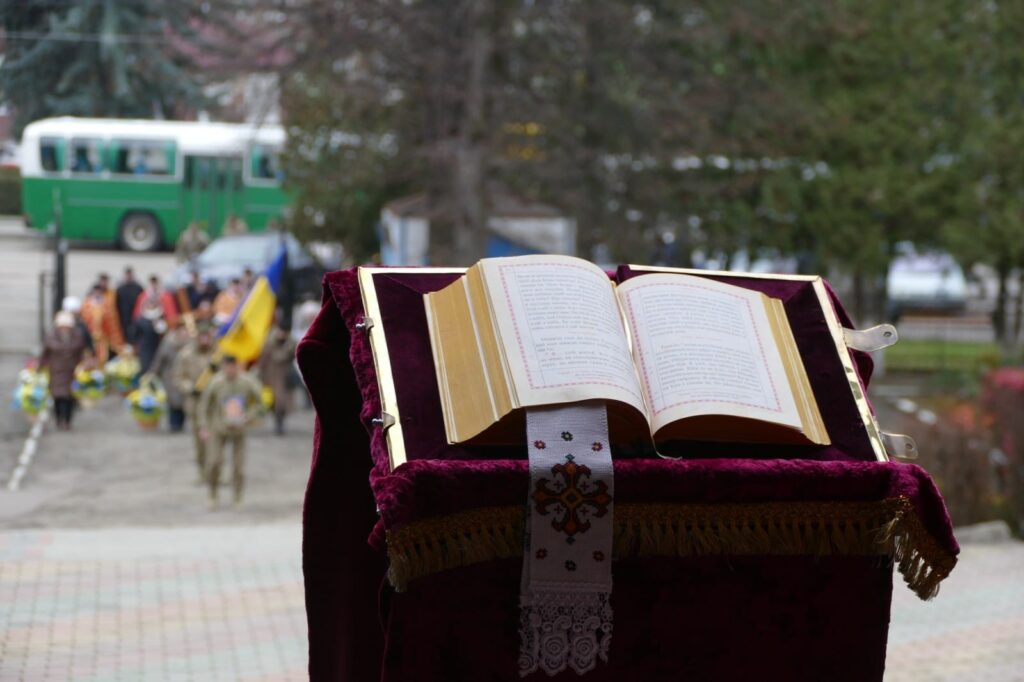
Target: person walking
<point x="227" y="301"/>
<point x="100" y="317"/>
<point x="248" y="280"/>
<point x="275" y="371"/>
<point x="63" y="349"/>
<point x="159" y="300"/>
<point x="198" y="291"/>
<point x="163" y="369"/>
<point x="234" y="225"/>
<point x="191" y="243"/>
<point x="110" y="300"/>
<point x="192" y="371"/>
<point x="226" y="408"/>
<point x="125" y="297"/>
<point x="149" y="327"/>
<point x="155" y="313"/>
<point x="74" y="306"/>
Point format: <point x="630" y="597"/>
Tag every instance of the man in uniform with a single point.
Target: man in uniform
<point x="226" y="408"/>
<point x="191" y="372"/>
<point x="191" y="243"/>
<point x="234" y="225"/>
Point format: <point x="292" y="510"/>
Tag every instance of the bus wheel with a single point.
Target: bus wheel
<point x="140" y="232"/>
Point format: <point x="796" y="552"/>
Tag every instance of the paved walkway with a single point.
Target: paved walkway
<point x="109" y="473"/>
<point x="226" y="603"/>
<point x="973" y="631"/>
<point x="186" y="594"/>
<point x="201" y="604"/>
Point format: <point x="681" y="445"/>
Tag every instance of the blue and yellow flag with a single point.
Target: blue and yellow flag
<point x="244" y="334"/>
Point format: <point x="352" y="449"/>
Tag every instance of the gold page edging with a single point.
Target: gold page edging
<point x="836" y="329"/>
<point x="382" y="360"/>
<point x="887" y="527"/>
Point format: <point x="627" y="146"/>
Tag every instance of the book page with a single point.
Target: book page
<point x="705" y="348"/>
<point x="561" y="331"/>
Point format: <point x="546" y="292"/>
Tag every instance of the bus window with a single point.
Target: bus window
<point x="202" y="172"/>
<point x="86" y="155"/>
<point x="135" y="157"/>
<point x="51" y="154"/>
<point x="236" y="174"/>
<point x="265" y="164"/>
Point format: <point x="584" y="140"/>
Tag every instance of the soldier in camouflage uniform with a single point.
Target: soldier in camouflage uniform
<point x="192" y="370"/>
<point x="234" y="225"/>
<point x="191" y="242"/>
<point x="227" y="406"/>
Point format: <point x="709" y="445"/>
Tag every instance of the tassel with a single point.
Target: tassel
<point x="885" y="527"/>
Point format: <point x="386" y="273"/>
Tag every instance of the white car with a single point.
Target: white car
<point x="930" y="281"/>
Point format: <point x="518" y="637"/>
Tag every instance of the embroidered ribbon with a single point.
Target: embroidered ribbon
<point x="565" y="616"/>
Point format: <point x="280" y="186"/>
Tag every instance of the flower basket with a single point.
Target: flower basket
<point x="147" y="404"/>
<point x="32" y="393"/>
<point x="122" y="374"/>
<point x="88" y="386"/>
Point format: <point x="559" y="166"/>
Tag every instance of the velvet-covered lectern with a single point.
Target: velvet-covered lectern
<point x="731" y="562"/>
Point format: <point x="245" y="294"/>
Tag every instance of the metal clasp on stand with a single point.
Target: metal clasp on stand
<point x="899" y="445"/>
<point x="871" y="339"/>
<point x="385" y="421"/>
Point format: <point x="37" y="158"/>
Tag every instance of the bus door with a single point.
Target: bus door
<point x="212" y="190"/>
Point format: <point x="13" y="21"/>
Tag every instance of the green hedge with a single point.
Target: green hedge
<point x="10" y="191"/>
<point x="930" y="356"/>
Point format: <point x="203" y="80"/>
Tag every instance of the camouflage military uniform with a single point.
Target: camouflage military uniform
<point x="226" y="407"/>
<point x="192" y="370"/>
<point x="191" y="243"/>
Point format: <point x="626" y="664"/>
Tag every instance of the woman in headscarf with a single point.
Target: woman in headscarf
<point x="63" y="349"/>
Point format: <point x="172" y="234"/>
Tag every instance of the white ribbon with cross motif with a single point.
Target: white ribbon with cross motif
<point x="566" y="618"/>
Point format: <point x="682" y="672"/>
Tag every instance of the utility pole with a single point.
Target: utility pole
<point x="60" y="252"/>
<point x="286" y="296"/>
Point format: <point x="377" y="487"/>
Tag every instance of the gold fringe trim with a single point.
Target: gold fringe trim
<point x="886" y="527"/>
<point x="459" y="539"/>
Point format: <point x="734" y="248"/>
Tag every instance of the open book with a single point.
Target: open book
<point x="676" y="357"/>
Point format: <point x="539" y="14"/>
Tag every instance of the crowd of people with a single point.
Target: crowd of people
<point x="172" y="332"/>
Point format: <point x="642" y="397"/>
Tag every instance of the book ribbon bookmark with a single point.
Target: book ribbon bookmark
<point x="565" y="615"/>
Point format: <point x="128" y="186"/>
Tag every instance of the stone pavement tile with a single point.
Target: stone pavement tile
<point x="211" y="603"/>
<point x="973" y="631"/>
<point x="152" y="604"/>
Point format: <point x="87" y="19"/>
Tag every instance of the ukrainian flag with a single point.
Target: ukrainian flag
<point x="244" y="334"/>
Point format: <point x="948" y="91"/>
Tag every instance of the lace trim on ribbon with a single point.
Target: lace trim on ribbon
<point x="559" y="631"/>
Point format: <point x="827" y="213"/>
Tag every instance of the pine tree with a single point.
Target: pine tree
<point x="102" y="58"/>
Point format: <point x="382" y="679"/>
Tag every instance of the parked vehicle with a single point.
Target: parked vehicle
<point x="760" y="261"/>
<point x="930" y="281"/>
<point x="226" y="258"/>
<point x="140" y="183"/>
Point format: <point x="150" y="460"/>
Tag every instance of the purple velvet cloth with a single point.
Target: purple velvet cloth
<point x="423" y="489"/>
<point x="797" y="618"/>
<point x="701" y="618"/>
<point x="342" y="572"/>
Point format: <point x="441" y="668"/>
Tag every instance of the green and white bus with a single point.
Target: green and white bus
<point x="140" y="183"/>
